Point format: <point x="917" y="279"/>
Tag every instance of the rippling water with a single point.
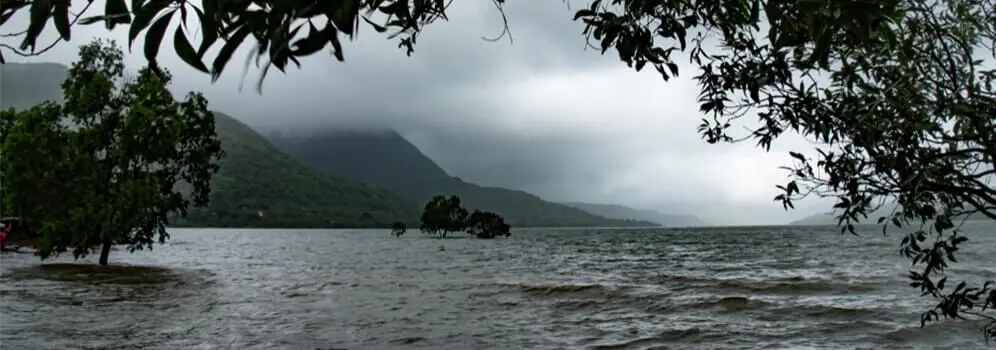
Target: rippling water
<point x="718" y="288"/>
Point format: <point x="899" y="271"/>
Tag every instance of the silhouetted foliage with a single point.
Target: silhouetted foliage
<point x="487" y="225"/>
<point x="398" y="229"/>
<point x="442" y="215"/>
<point x="283" y="30"/>
<point x="105" y="166"/>
<point x="895" y="93"/>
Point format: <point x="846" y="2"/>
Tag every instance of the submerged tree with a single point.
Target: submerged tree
<point x="486" y="224"/>
<point x="105" y="167"/>
<point x="442" y="215"/>
<point x="398" y="228"/>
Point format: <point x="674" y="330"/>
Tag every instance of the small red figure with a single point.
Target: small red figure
<point x="3" y="236"/>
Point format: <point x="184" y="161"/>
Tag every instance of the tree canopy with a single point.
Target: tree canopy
<point x="486" y="224"/>
<point x="442" y="215"/>
<point x="110" y="164"/>
<point x="398" y="228"/>
<point x="897" y="94"/>
<point x="445" y="214"/>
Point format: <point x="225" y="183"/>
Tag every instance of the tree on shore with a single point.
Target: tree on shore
<point x="106" y="166"/>
<point x="895" y="92"/>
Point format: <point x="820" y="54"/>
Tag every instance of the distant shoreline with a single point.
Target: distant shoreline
<point x="415" y="228"/>
<point x="411" y="227"/>
<point x="549" y="228"/>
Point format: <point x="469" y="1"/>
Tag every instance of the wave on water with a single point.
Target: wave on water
<point x="770" y="308"/>
<point x="560" y="289"/>
<point x="792" y="285"/>
<point x="665" y="285"/>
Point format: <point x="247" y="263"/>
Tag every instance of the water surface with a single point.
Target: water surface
<point x="717" y="288"/>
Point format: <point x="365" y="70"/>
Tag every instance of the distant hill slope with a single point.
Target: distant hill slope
<point x="623" y="212"/>
<point x="387" y="159"/>
<point x="254" y="177"/>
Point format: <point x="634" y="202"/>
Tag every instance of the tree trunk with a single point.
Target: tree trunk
<point x="105" y="252"/>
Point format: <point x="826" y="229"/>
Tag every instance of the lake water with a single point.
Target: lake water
<point x="716" y="288"/>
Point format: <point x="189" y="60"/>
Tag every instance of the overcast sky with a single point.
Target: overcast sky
<point x="542" y="114"/>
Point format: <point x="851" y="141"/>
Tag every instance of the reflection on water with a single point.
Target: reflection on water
<point x="743" y="288"/>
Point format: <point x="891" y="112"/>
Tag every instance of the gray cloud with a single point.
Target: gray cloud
<point x="542" y="114"/>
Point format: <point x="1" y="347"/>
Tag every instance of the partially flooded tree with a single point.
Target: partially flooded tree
<point x="442" y="215"/>
<point x="104" y="167"/>
<point x="398" y="228"/>
<point x="486" y="224"/>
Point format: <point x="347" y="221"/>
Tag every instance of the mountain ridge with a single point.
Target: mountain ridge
<point x="386" y="158"/>
<point x="257" y="185"/>
<point x="288" y="194"/>
<point x="260" y="185"/>
<point x="619" y="211"/>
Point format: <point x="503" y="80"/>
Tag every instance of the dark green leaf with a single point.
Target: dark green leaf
<point x="227" y="50"/>
<point x="671" y="66"/>
<point x="6" y="16"/>
<point x="40" y="12"/>
<point x="310" y="44"/>
<point x="116" y="12"/>
<point x="183" y="17"/>
<point x="154" y="37"/>
<point x="609" y="39"/>
<point x="209" y="31"/>
<point x="186" y="51"/>
<point x="336" y="46"/>
<point x="377" y="27"/>
<point x="798" y="156"/>
<point x="62" y="19"/>
<point x="583" y="13"/>
<point x="143" y="17"/>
